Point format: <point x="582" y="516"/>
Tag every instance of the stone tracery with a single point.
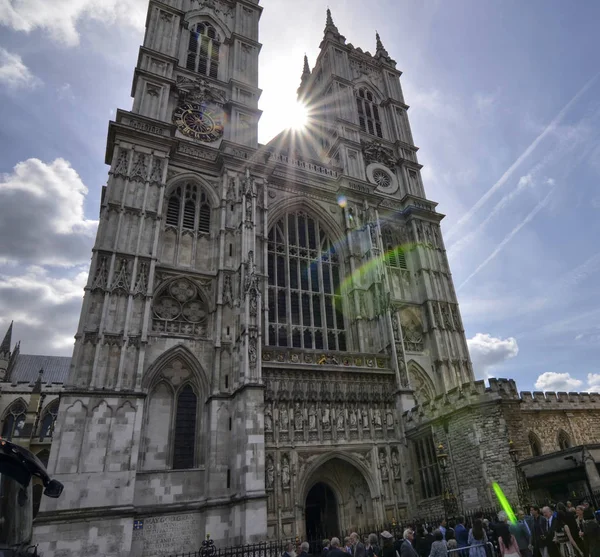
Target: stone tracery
<point x="180" y="309"/>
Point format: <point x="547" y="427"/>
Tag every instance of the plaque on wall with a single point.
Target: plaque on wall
<point x="158" y="536"/>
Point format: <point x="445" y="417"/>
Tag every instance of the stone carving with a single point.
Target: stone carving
<point x="395" y="327"/>
<point x="396" y="467"/>
<point x="412" y="333"/>
<point x="101" y="278"/>
<point x="139" y="170"/>
<point x="227" y="291"/>
<point x="377" y="418"/>
<point x="340" y="419"/>
<point x="383" y="464"/>
<point x="326" y="418"/>
<point x="231" y="197"/>
<point x="269" y="473"/>
<point x="252" y="352"/>
<point x="217" y="6"/>
<point x="268" y="418"/>
<point x="141" y="283"/>
<point x="285" y="471"/>
<point x="455" y="317"/>
<point x="298" y="418"/>
<point x="285" y="419"/>
<point x="365" y="418"/>
<point x="156" y="176"/>
<point x="446" y="317"/>
<point x="120" y="284"/>
<point x="353" y="421"/>
<point x="389" y="418"/>
<point x="436" y="315"/>
<point x="374" y="152"/>
<point x="312" y="418"/>
<point x="122" y="163"/>
<point x="251" y="284"/>
<point x="198" y="90"/>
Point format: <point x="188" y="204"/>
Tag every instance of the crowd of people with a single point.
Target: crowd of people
<point x="563" y="530"/>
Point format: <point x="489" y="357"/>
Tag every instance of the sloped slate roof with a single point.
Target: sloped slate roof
<point x="27" y="368"/>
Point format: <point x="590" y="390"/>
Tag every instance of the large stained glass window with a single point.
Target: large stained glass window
<point x="305" y="302"/>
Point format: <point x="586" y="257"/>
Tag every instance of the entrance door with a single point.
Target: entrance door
<point x="321" y="513"/>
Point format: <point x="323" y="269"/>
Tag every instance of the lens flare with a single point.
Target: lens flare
<point x="504" y="503"/>
<point x="342" y="201"/>
<point x="298" y="116"/>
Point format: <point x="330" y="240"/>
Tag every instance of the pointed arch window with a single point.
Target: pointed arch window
<point x="203" y="50"/>
<point x="564" y="441"/>
<point x="188" y="209"/>
<point x="48" y="420"/>
<point x="394" y="253"/>
<point x="305" y="302"/>
<point x="185" y="429"/>
<point x="368" y="112"/>
<point x="14" y="421"/>
<point x="535" y="444"/>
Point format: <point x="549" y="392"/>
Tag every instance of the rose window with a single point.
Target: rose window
<point x="382" y="179"/>
<point x="180" y="310"/>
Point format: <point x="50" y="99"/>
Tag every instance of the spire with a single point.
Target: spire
<point x="305" y="77"/>
<point x="381" y="51"/>
<point x="306" y="70"/>
<point x="5" y="347"/>
<point x="379" y="43"/>
<point x="329" y="18"/>
<point x="329" y="25"/>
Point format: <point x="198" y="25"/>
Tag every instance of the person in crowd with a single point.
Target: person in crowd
<point x="438" y="547"/>
<point x="451" y="542"/>
<point x="372" y="546"/>
<point x="348" y="545"/>
<point x="443" y="526"/>
<point x="591" y="533"/>
<point x="289" y="551"/>
<point x="507" y="544"/>
<point x="539" y="532"/>
<point x="388" y="549"/>
<point x="304" y="549"/>
<point x="553" y="548"/>
<point x="521" y="532"/>
<point x="579" y="533"/>
<point x="477" y="539"/>
<point x="421" y="545"/>
<point x="358" y="548"/>
<point x="461" y="532"/>
<point x="407" y="549"/>
<point x="326" y="546"/>
<point x="334" y="549"/>
<point x="563" y="533"/>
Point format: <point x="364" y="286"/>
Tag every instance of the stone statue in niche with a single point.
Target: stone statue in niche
<point x="389" y="418"/>
<point x="383" y="465"/>
<point x="377" y="418"/>
<point x="396" y="463"/>
<point x="268" y="419"/>
<point x="285" y="471"/>
<point x="298" y="418"/>
<point x="340" y="419"/>
<point x="365" y="418"/>
<point x="353" y="421"/>
<point x="270" y="473"/>
<point x="326" y="418"/>
<point x="285" y="422"/>
<point x="312" y="418"/>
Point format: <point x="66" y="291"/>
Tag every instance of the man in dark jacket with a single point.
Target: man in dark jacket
<point x="334" y="549"/>
<point x="407" y="549"/>
<point x="304" y="548"/>
<point x="358" y="548"/>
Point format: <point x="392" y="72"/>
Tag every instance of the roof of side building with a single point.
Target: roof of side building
<point x="27" y="368"/>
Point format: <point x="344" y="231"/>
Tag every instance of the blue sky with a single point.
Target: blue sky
<point x="505" y="106"/>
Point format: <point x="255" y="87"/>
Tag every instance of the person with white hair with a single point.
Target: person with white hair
<point x="358" y="548"/>
<point x="334" y="549"/>
<point x="407" y="549"/>
<point x="304" y="548"/>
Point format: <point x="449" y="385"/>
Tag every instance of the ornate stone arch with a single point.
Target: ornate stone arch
<point x="412" y="330"/>
<point x="14" y="419"/>
<point x="563" y="440"/>
<point x="365" y="82"/>
<point x="421" y="382"/>
<point x="185" y="177"/>
<point x="196" y="16"/>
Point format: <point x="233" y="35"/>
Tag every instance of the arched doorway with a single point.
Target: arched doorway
<point x="321" y="512"/>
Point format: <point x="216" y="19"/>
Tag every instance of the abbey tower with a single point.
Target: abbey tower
<point x="257" y="317"/>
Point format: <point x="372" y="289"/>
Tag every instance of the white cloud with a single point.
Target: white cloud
<point x="552" y="381"/>
<point x="484" y="102"/>
<point x="13" y="72"/>
<point x="488" y="351"/>
<point x="65" y="92"/>
<point x="60" y="18"/>
<point x="45" y="308"/>
<point x="593" y="382"/>
<point x="41" y="215"/>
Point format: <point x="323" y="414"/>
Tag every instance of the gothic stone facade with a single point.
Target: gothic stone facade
<point x="257" y="317"/>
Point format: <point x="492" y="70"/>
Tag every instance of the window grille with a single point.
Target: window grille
<point x="48" y="420"/>
<point x="203" y="50"/>
<point x="368" y="113"/>
<point x="394" y="253"/>
<point x="184" y="203"/>
<point x="428" y="469"/>
<point x="305" y="302"/>
<point x="185" y="429"/>
<point x="14" y="421"/>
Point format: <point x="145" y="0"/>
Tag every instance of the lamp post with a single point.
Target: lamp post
<point x="448" y="497"/>
<point x="522" y="486"/>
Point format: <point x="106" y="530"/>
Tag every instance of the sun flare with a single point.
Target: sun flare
<point x="297" y="116"/>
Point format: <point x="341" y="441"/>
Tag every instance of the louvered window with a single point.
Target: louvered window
<point x="203" y="50"/>
<point x="188" y="209"/>
<point x="185" y="429"/>
<point x="394" y="252"/>
<point x="305" y="302"/>
<point x="368" y="113"/>
<point x="428" y="468"/>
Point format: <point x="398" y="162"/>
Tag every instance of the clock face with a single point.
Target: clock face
<point x="202" y="121"/>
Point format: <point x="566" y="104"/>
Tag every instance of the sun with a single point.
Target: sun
<point x="297" y="116"/>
